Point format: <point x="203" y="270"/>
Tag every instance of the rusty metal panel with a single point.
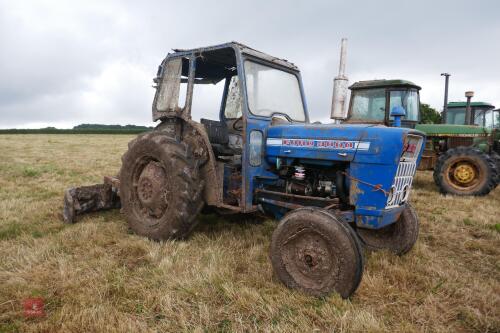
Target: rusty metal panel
<point x="429" y="156"/>
<point x="210" y="173"/>
<point x="217" y="183"/>
<point x="427" y="162"/>
<point x="454" y="142"/>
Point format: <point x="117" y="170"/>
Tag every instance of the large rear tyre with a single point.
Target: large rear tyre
<point x="496" y="158"/>
<point x="160" y="188"/>
<point x="399" y="237"/>
<point x="465" y="171"/>
<point x="313" y="251"/>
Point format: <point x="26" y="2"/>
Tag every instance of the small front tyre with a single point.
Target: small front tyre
<point x="313" y="251"/>
<point x="399" y="237"/>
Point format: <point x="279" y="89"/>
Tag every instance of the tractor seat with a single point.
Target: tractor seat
<point x="218" y="135"/>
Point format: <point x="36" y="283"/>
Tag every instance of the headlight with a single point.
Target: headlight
<point x="390" y="196"/>
<point x="406" y="193"/>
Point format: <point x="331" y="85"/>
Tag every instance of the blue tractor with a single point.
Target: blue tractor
<point x="334" y="187"/>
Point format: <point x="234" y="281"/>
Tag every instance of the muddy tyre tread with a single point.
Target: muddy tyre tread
<point x="473" y="153"/>
<point x="357" y="243"/>
<point x="496" y="160"/>
<point x="334" y="229"/>
<point x="399" y="238"/>
<point x="181" y="215"/>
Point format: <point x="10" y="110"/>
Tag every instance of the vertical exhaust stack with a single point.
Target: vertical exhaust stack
<point x="468" y="110"/>
<point x="340" y="84"/>
<point x="445" y="106"/>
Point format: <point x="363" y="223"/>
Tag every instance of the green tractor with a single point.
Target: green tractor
<point x="465" y="158"/>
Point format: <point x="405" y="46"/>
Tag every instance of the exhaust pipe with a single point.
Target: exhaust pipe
<point x="340" y="84"/>
<point x="468" y="110"/>
<point x="445" y="105"/>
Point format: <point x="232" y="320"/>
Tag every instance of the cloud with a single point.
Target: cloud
<point x="64" y="63"/>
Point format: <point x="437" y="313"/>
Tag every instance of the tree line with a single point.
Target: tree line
<point x="82" y="129"/>
<point x="428" y="115"/>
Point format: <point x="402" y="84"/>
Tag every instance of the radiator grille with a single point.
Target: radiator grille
<point x="402" y="184"/>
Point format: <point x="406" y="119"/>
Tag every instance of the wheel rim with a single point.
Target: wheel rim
<point x="463" y="174"/>
<point x="308" y="259"/>
<point x="150" y="191"/>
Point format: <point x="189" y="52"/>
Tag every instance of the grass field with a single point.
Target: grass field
<point x="95" y="276"/>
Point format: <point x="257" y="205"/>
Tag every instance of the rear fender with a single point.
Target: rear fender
<point x="196" y="137"/>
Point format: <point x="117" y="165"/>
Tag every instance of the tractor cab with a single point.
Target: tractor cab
<point x="373" y="101"/>
<point x="253" y="81"/>
<point x="256" y="90"/>
<point x="482" y="114"/>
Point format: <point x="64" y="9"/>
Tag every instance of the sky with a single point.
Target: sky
<point x="63" y="63"/>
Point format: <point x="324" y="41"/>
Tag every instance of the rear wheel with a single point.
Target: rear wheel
<point x="160" y="188"/>
<point x="465" y="171"/>
<point x="399" y="237"/>
<point x="311" y="250"/>
<point x="496" y="158"/>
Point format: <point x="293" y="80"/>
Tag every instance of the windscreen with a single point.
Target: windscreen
<point x="368" y="104"/>
<point x="455" y="116"/>
<point x="408" y="99"/>
<point x="273" y="91"/>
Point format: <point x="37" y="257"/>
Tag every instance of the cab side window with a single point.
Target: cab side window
<point x="170" y="97"/>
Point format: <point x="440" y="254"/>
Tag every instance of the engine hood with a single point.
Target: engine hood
<point x="453" y="130"/>
<point x="363" y="143"/>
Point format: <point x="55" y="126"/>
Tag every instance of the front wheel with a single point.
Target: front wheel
<point x="399" y="237"/>
<point x="313" y="251"/>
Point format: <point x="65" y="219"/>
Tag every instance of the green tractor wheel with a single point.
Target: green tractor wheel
<point x="465" y="171"/>
<point x="496" y="159"/>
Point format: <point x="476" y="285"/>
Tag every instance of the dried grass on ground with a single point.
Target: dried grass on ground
<point x="96" y="276"/>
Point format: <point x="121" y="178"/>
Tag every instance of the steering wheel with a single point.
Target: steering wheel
<point x="237" y="121"/>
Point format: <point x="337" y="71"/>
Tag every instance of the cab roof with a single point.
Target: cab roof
<point x="472" y="104"/>
<point x="242" y="48"/>
<point x="383" y="84"/>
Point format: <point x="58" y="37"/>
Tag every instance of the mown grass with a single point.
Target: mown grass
<point x="96" y="276"/>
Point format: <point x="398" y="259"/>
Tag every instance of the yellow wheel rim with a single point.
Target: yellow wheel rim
<point x="464" y="173"/>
